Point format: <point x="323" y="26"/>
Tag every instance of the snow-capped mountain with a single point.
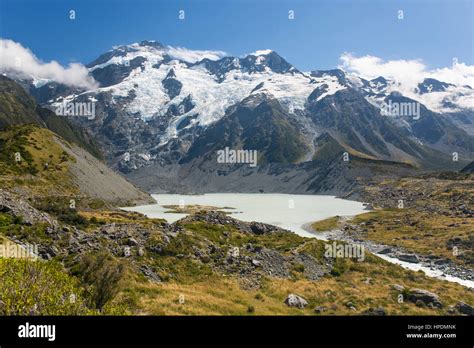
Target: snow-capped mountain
<point x="436" y="95"/>
<point x="161" y="105"/>
<point x="196" y="90"/>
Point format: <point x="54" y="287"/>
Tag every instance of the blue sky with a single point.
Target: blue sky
<point x="434" y="31"/>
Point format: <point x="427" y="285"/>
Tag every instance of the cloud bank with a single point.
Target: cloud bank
<point x="20" y="60"/>
<point x="193" y="56"/>
<point x="406" y="72"/>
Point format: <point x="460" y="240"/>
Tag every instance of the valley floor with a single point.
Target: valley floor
<point x="211" y="264"/>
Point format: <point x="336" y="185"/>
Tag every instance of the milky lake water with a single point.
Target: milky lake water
<point x="283" y="210"/>
<point x="291" y="212"/>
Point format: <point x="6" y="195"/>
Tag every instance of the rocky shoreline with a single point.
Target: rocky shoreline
<point x="446" y="266"/>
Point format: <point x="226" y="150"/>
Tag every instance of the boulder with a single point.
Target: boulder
<point x="258" y="228"/>
<point x="412" y="258"/>
<point x="320" y="309"/>
<point x="398" y="287"/>
<point x="379" y="311"/>
<point x="132" y="241"/>
<point x="464" y="308"/>
<point x="256" y="263"/>
<point x="385" y="251"/>
<point x="424" y="296"/>
<point x="296" y="301"/>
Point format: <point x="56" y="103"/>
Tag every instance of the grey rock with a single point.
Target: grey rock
<point x="296" y="301"/>
<point x="398" y="287"/>
<point x="256" y="263"/>
<point x="424" y="296"/>
<point x="320" y="309"/>
<point x="132" y="241"/>
<point x="379" y="311"/>
<point x="148" y="272"/>
<point x="412" y="258"/>
<point x="442" y="261"/>
<point x="464" y="308"/>
<point x="385" y="251"/>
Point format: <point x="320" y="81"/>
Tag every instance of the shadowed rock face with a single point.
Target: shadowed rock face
<point x="115" y="73"/>
<point x="171" y="85"/>
<point x="469" y="168"/>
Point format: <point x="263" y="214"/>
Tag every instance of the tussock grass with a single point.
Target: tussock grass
<point x="418" y="232"/>
<point x="326" y="224"/>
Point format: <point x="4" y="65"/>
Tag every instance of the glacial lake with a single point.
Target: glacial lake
<point x="291" y="212"/>
<point x="287" y="211"/>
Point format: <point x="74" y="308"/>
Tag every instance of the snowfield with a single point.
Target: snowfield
<point x="211" y="94"/>
<point x="210" y="97"/>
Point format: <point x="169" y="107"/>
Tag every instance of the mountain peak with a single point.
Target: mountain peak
<point x="432" y="85"/>
<point x="150" y="43"/>
<point x="379" y="79"/>
<point x="337" y="73"/>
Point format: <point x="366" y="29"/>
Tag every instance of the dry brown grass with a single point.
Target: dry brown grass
<point x="223" y="295"/>
<point x="418" y="232"/>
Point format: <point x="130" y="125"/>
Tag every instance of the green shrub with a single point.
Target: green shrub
<point x="96" y="204"/>
<point x="60" y="208"/>
<point x="5" y="219"/>
<point x="102" y="273"/>
<point x="340" y="266"/>
<point x="299" y="268"/>
<point x="30" y="287"/>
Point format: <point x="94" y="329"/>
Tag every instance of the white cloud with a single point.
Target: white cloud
<point x="406" y="72"/>
<point x="20" y="60"/>
<point x="459" y="74"/>
<point x="260" y="52"/>
<point x="193" y="56"/>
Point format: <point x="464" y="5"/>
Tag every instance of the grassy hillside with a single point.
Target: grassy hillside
<point x="29" y="155"/>
<point x="435" y="219"/>
<point x="44" y="165"/>
<point x="189" y="268"/>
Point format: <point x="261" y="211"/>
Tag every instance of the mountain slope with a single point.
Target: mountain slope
<point x="160" y="107"/>
<point x="358" y="125"/>
<point x="17" y="107"/>
<point x="469" y="168"/>
<point x="46" y="156"/>
<point x="48" y="166"/>
<point x="258" y="123"/>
